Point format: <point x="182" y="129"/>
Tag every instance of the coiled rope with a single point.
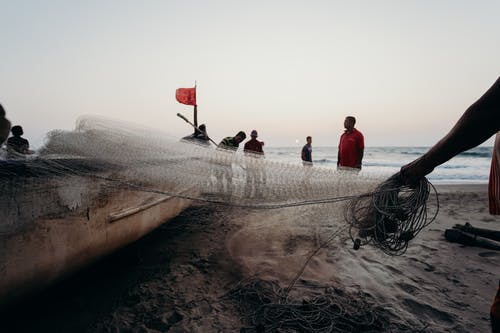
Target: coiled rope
<point x="392" y="216"/>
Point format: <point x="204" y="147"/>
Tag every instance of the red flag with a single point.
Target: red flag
<point x="186" y="96"/>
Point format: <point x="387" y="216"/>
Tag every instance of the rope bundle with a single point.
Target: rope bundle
<point x="392" y="216"/>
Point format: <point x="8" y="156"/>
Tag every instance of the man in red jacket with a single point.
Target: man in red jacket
<point x="351" y="146"/>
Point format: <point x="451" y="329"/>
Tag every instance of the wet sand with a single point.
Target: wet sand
<point x="176" y="278"/>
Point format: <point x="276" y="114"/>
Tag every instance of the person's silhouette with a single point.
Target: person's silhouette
<point x="4" y="126"/>
<point x="16" y="143"/>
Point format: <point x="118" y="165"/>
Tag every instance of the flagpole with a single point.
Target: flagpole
<point x="195" y="111"/>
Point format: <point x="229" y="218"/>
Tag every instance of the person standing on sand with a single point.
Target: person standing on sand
<point x="307" y="153"/>
<point x="478" y="123"/>
<point x="4" y="126"/>
<point x="256" y="175"/>
<point x="253" y="145"/>
<point x="351" y="146"/>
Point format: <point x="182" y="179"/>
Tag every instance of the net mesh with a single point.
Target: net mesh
<point x="103" y="160"/>
<point x="103" y="155"/>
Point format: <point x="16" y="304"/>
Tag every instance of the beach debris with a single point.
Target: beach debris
<point x="468" y="235"/>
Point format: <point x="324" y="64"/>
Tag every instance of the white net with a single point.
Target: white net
<point x="103" y="156"/>
<point x="293" y="211"/>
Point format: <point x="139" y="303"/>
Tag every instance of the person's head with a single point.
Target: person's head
<point x="17" y="130"/>
<point x="309" y="140"/>
<point x="349" y="123"/>
<point x="240" y="136"/>
<point x="203" y="127"/>
<point x="254" y="134"/>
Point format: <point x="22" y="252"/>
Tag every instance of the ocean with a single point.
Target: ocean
<point x="472" y="166"/>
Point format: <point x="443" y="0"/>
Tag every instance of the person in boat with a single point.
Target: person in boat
<point x="351" y="146"/>
<point x="478" y="123"/>
<point x="232" y="142"/>
<point x="224" y="170"/>
<point x="16" y="145"/>
<point x="254" y="146"/>
<point x="256" y="176"/>
<point x="199" y="136"/>
<point x="4" y="126"/>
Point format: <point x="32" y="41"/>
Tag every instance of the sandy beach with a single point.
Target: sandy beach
<point x="182" y="277"/>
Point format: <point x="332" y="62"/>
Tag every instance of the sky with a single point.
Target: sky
<point x="406" y="70"/>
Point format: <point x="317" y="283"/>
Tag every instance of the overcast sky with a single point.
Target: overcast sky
<point x="406" y="70"/>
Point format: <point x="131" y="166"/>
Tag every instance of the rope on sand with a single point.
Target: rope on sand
<point x="330" y="310"/>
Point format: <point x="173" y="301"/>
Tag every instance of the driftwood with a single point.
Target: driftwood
<point x="468" y="235"/>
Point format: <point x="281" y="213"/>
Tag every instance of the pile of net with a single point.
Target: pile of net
<point x="324" y="309"/>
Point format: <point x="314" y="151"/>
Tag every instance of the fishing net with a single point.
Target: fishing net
<point x="103" y="155"/>
<point x="104" y="161"/>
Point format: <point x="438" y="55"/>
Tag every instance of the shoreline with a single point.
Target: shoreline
<point x="462" y="187"/>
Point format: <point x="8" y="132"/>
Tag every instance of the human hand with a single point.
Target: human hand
<point x="412" y="172"/>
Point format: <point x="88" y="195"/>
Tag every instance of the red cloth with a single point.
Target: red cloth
<point x="495" y="308"/>
<point x="254" y="146"/>
<point x="350" y="144"/>
<point x="494" y="184"/>
<point x="186" y="96"/>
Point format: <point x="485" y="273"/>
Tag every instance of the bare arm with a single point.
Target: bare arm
<point x="479" y="122"/>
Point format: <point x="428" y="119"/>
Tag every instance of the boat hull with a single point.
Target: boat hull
<point x="49" y="234"/>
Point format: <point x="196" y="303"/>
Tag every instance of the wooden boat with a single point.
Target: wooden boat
<point x="53" y="221"/>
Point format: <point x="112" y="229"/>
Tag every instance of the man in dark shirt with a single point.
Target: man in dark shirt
<point x="224" y="170"/>
<point x="307" y="152"/>
<point x="256" y="175"/>
<point x="16" y="144"/>
<point x="232" y="142"/>
<point x="253" y="145"/>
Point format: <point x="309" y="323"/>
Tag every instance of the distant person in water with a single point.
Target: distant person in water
<point x="224" y="169"/>
<point x="256" y="175"/>
<point x="4" y="126"/>
<point x="16" y="144"/>
<point x="351" y="146"/>
<point x="307" y="152"/>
